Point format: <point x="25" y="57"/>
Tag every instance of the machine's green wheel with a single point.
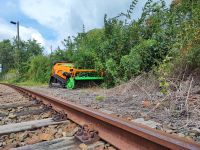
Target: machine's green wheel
<point x="70" y="83"/>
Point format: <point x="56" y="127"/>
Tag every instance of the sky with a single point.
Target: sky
<point x="51" y="21"/>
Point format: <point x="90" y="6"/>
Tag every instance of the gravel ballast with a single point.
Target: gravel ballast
<point x="140" y="99"/>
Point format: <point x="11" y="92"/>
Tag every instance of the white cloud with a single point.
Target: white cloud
<point x="5" y="31"/>
<point x="30" y="33"/>
<point x="66" y="17"/>
<point x="8" y="31"/>
<point x="50" y="13"/>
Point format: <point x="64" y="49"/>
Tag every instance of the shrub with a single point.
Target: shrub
<point x="39" y="70"/>
<point x="130" y="64"/>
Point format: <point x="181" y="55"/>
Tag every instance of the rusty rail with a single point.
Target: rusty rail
<point x="120" y="133"/>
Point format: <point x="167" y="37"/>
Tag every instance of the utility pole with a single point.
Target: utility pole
<point x="18" y="43"/>
<point x="18" y="34"/>
<point x="0" y="68"/>
<point x="16" y="23"/>
<point x="51" y="49"/>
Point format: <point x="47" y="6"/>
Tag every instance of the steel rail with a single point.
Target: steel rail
<point x="118" y="132"/>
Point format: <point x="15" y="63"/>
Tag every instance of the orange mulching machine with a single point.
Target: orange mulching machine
<point x="67" y="76"/>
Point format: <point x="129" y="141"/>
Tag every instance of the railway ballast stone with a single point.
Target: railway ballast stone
<point x="141" y="98"/>
<point x="149" y="123"/>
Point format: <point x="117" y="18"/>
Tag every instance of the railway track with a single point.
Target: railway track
<point x="26" y="123"/>
<point x="95" y="126"/>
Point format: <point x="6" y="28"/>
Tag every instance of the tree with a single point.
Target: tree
<point x="28" y="49"/>
<point x="6" y="55"/>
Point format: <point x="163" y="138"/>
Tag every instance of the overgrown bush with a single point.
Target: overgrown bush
<point x="194" y="57"/>
<point x="130" y="64"/>
<point x="39" y="70"/>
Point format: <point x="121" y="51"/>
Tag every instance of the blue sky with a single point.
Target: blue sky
<point x="50" y="21"/>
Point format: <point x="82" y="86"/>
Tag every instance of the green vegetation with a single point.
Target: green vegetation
<point x="99" y="98"/>
<point x="163" y="38"/>
<point x="21" y="65"/>
<point x="39" y="69"/>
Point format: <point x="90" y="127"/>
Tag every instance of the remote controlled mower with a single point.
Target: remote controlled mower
<point x="66" y="75"/>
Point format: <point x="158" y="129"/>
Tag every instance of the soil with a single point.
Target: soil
<point x="177" y="112"/>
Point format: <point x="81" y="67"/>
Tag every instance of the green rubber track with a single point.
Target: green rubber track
<point x="70" y="84"/>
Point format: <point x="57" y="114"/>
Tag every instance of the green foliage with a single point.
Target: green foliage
<point x="22" y="56"/>
<point x="85" y="59"/>
<point x="18" y="59"/>
<point x="40" y="69"/>
<point x="163" y="71"/>
<point x="99" y="98"/>
<point x="161" y="38"/>
<point x="6" y="55"/>
<point x="121" y="49"/>
<point x="124" y="48"/>
<point x="27" y="50"/>
<point x="10" y="76"/>
<point x="111" y="72"/>
<point x="58" y="55"/>
<point x="194" y="57"/>
<point x="130" y="64"/>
